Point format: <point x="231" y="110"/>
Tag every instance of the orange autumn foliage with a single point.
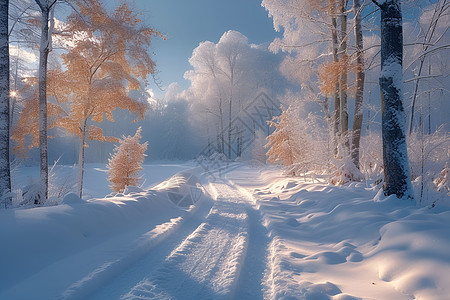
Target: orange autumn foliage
<point x="28" y="124"/>
<point x="126" y="162"/>
<point x="329" y="75"/>
<point x="284" y="144"/>
<point x="107" y="55"/>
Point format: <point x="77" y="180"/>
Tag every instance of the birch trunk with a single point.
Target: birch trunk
<point x="344" y="74"/>
<point x="5" y="177"/>
<point x="397" y="180"/>
<point x="81" y="159"/>
<point x="43" y="57"/>
<point x="44" y="50"/>
<point x="360" y="77"/>
<point x="337" y="99"/>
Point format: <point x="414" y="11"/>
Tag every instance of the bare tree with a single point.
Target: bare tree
<point x="429" y="46"/>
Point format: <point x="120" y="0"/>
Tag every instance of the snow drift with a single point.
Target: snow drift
<point x="40" y="240"/>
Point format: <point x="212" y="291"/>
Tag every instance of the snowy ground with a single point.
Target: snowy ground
<point x="246" y="233"/>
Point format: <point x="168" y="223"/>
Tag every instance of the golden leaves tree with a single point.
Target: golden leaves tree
<point x="126" y="163"/>
<point x="28" y="124"/>
<point x="284" y="144"/>
<point x="107" y="56"/>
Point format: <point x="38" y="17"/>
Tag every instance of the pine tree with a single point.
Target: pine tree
<point x="126" y="163"/>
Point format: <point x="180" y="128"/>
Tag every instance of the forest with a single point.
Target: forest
<point x="326" y="118"/>
<point x="346" y="97"/>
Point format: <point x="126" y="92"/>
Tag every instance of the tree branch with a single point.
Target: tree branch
<point x="41" y="6"/>
<point x="50" y="6"/>
<point x="422" y="77"/>
<point x="376" y="3"/>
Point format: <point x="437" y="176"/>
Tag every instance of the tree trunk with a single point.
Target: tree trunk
<point x="344" y="74"/>
<point x="5" y="177"/>
<point x="397" y="180"/>
<point x="360" y="76"/>
<point x="229" y="130"/>
<point x="44" y="50"/>
<point x="81" y="159"/>
<point x="337" y="99"/>
<point x="221" y="133"/>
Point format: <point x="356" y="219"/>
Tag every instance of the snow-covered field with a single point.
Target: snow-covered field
<point x="246" y="233"/>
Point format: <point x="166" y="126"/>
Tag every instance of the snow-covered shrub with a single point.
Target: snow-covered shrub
<point x="125" y="164"/>
<point x="302" y="145"/>
<point x="346" y="170"/>
<point x="428" y="154"/>
<point x="29" y="195"/>
<point x="59" y="184"/>
<point x="441" y="181"/>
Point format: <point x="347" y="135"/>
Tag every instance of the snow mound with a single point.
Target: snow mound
<point x="183" y="189"/>
<point x="71" y="199"/>
<point x="132" y="190"/>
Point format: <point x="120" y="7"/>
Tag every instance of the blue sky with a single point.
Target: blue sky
<point x="186" y="23"/>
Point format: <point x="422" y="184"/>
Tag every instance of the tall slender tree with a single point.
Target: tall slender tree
<point x="5" y="178"/>
<point x="343" y="76"/>
<point x="397" y="180"/>
<point x="360" y="79"/>
<point x="46" y="7"/>
<point x="335" y="46"/>
<point x="101" y="67"/>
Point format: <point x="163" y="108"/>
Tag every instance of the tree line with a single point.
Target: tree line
<point x="328" y="57"/>
<point x="101" y="55"/>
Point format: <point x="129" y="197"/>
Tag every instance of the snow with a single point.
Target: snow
<point x="338" y="242"/>
<point x="251" y="233"/>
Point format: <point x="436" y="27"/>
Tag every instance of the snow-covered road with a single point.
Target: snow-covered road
<point x="207" y="264"/>
<point x="253" y="233"/>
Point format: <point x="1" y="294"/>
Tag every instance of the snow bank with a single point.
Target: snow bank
<point x="183" y="189"/>
<point x="331" y="242"/>
<point x="38" y="241"/>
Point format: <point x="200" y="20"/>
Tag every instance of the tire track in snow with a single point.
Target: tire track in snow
<point x="208" y="262"/>
<point x="121" y="282"/>
<point x="250" y="283"/>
